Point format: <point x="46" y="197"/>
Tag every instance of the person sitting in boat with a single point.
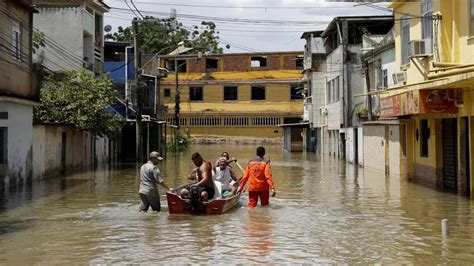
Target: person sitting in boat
<point x="226" y="176"/>
<point x="205" y="184"/>
<point x="228" y="161"/>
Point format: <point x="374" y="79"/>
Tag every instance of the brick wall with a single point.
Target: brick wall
<point x="273" y="63"/>
<point x="289" y="62"/>
<point x="197" y="65"/>
<point x="236" y="63"/>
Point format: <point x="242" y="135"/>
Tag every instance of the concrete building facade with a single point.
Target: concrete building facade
<point x="342" y="112"/>
<point x="19" y="92"/>
<point x="74" y="38"/>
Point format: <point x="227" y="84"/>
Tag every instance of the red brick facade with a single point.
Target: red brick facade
<point x="236" y="63"/>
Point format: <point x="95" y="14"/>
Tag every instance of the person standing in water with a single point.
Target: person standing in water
<point x="259" y="175"/>
<point x="150" y="176"/>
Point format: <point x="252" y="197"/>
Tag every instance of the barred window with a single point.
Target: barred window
<point x="204" y="121"/>
<point x="236" y="121"/>
<point x="265" y="121"/>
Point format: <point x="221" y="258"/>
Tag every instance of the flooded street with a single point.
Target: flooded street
<point x="325" y="211"/>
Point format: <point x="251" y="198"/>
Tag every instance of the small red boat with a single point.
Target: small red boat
<point x="178" y="205"/>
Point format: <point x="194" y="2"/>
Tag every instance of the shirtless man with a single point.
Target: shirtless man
<point x="204" y="178"/>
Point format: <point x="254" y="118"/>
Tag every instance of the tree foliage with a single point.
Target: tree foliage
<point x="155" y="37"/>
<point x="81" y="100"/>
<point x="37" y="41"/>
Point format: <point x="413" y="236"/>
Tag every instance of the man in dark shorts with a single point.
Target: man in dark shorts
<point x="149" y="177"/>
<point x="204" y="177"/>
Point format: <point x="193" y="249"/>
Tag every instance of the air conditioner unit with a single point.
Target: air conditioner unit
<point x="418" y="48"/>
<point x="399" y="78"/>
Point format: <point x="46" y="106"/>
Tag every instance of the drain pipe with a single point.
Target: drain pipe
<point x="452" y="72"/>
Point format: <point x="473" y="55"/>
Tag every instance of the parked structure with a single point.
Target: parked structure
<point x="233" y="94"/>
<point x="342" y="113"/>
<point x="432" y="94"/>
<point x="73" y="34"/>
<point x="19" y="92"/>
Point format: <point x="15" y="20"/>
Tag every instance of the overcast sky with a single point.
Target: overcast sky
<point x="248" y="35"/>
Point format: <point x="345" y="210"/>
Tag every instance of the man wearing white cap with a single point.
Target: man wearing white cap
<point x="149" y="177"/>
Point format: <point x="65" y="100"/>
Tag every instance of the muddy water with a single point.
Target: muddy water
<point x="325" y="211"/>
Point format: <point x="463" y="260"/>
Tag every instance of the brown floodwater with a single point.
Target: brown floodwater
<point x="326" y="211"/>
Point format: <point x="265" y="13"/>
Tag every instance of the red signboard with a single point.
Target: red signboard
<point x="437" y="101"/>
<point x="418" y="102"/>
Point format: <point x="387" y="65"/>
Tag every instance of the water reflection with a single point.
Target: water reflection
<point x="326" y="211"/>
<point x="258" y="228"/>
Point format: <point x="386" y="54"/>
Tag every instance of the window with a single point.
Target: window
<point x="472" y="18"/>
<point x="328" y="92"/>
<point x="230" y="93"/>
<point x="265" y="121"/>
<point x="405" y="39"/>
<point x="258" y="93"/>
<point x="332" y="88"/>
<point x="170" y="65"/>
<point x="236" y="121"/>
<point x="167" y="93"/>
<point x="384" y="78"/>
<point x="258" y="61"/>
<point x="16" y="40"/>
<point x="295" y="92"/>
<point x="212" y="64"/>
<point x="299" y="62"/>
<point x="3" y="145"/>
<point x="425" y="135"/>
<point x="427" y="24"/>
<point x="195" y="94"/>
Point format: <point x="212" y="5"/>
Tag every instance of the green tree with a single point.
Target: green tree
<point x="81" y="100"/>
<point x="155" y="37"/>
<point x="37" y="40"/>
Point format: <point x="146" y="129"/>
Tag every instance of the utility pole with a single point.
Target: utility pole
<point x="138" y="84"/>
<point x="171" y="24"/>
<point x="177" y="97"/>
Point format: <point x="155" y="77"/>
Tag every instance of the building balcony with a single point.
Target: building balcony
<point x="88" y="22"/>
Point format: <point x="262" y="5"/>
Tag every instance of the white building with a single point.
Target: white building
<point x="381" y="137"/>
<point x="73" y="34"/>
<point x="340" y="110"/>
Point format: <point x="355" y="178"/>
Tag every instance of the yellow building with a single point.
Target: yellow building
<point x="433" y="92"/>
<point x="233" y="94"/>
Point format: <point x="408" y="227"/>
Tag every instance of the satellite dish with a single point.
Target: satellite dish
<point x="107" y="28"/>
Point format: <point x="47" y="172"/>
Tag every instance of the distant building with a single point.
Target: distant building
<point x="19" y="92"/>
<point x="246" y="94"/>
<point x="73" y="34"/>
<point x="342" y="112"/>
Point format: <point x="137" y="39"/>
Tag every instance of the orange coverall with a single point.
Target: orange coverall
<point x="259" y="175"/>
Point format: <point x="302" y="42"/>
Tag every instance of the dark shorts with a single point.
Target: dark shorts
<point x="210" y="191"/>
<point x="150" y="201"/>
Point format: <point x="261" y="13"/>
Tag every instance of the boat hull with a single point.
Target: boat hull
<point x="177" y="205"/>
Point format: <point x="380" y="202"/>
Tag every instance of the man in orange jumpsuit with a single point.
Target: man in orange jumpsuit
<point x="259" y="175"/>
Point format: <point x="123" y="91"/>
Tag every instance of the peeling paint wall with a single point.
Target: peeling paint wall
<point x="61" y="149"/>
<point x="19" y="143"/>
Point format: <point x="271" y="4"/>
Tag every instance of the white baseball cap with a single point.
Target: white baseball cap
<point x="155" y="154"/>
